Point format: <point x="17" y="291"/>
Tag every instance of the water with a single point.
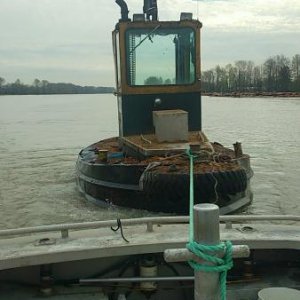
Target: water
<point x="40" y="137"/>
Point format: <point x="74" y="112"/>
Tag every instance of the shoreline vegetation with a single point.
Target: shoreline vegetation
<point x="44" y="87"/>
<point x="254" y="94"/>
<point x="278" y="76"/>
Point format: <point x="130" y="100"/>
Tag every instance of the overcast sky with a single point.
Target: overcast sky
<point x="70" y="40"/>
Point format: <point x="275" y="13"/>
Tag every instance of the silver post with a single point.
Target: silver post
<point x="206" y="232"/>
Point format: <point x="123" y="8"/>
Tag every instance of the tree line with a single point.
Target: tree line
<point x="40" y="87"/>
<point x="277" y="74"/>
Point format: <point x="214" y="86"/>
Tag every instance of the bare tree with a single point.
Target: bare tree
<point x="208" y="81"/>
<point x="296" y="72"/>
<point x="2" y="81"/>
<point x="257" y="78"/>
<point x="241" y="66"/>
<point x="269" y="71"/>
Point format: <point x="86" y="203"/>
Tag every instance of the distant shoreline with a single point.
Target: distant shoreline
<point x="48" y="94"/>
<point x="231" y="95"/>
<point x="255" y="94"/>
<point x="44" y="87"/>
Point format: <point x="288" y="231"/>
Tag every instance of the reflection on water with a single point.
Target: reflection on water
<point x="41" y="136"/>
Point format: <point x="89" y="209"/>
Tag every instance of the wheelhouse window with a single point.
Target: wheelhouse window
<point x="160" y="56"/>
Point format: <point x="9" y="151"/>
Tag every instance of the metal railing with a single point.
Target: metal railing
<point x="148" y="221"/>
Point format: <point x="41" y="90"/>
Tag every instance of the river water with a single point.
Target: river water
<point x="40" y="137"/>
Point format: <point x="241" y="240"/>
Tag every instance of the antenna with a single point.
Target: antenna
<point x="150" y="9"/>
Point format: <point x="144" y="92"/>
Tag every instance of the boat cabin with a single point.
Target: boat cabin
<point x="157" y="75"/>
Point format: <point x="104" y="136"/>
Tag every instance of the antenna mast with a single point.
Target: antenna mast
<point x="150" y="9"/>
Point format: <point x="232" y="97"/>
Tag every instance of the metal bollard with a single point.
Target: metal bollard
<point x="206" y="232"/>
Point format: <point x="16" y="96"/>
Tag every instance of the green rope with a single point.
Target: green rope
<point x="191" y="224"/>
<point x="208" y="253"/>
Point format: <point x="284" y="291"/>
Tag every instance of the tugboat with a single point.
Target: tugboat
<point x="158" y="86"/>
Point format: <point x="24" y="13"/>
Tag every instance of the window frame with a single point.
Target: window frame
<point x="149" y="30"/>
<point x="155" y="89"/>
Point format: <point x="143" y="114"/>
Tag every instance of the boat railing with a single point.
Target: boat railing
<point x="148" y="221"/>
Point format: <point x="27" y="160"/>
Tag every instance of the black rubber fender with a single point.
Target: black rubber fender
<point x="172" y="187"/>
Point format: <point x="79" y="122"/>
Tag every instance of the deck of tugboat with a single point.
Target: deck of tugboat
<point x="70" y="242"/>
<point x="148" y="145"/>
<point x="151" y="149"/>
<point x="163" y="153"/>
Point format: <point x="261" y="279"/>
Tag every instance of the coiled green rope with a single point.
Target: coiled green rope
<point x="208" y="253"/>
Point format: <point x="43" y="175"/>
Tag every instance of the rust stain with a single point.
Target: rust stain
<point x="223" y="159"/>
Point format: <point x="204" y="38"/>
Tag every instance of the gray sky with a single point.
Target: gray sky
<point x="70" y="40"/>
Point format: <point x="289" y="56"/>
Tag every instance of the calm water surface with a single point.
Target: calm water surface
<point x="40" y="137"/>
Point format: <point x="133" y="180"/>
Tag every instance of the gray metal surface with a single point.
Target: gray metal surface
<point x="45" y="244"/>
<point x="136" y="279"/>
<point x="181" y="255"/>
<point x="93" y="244"/>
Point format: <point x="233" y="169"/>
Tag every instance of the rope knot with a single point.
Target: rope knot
<point x="189" y="153"/>
<point x="210" y="254"/>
